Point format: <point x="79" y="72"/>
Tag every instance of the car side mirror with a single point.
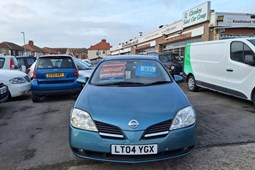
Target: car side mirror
<point x="249" y="59"/>
<point x="82" y="80"/>
<point x="23" y="68"/>
<point x="178" y="79"/>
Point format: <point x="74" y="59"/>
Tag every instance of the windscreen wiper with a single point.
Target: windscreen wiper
<point x="120" y="83"/>
<point x="157" y="82"/>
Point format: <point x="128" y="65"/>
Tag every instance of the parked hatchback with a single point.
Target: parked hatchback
<point x="8" y="62"/>
<point x="173" y="62"/>
<point x="131" y="110"/>
<point x="53" y="75"/>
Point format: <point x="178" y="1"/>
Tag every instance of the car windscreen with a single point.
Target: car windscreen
<point x="81" y="65"/>
<point x="164" y="58"/>
<point x="21" y="61"/>
<point x="55" y="62"/>
<point x="30" y="61"/>
<point x="252" y="41"/>
<point x="130" y="73"/>
<point x="178" y="58"/>
<point x="1" y="62"/>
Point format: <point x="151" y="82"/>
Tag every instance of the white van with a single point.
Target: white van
<point x="227" y="66"/>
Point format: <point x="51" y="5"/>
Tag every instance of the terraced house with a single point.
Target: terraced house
<point x="10" y="48"/>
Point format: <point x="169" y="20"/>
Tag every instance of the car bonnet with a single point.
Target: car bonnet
<point x="119" y="105"/>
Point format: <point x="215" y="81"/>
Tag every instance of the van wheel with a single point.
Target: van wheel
<point x="192" y="84"/>
<point x="35" y="98"/>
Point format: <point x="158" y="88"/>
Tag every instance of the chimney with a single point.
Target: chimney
<point x="103" y="40"/>
<point x="31" y="43"/>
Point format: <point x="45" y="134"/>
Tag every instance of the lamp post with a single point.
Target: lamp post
<point x="24" y="42"/>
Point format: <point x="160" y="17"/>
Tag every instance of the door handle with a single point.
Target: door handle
<point x="230" y="70"/>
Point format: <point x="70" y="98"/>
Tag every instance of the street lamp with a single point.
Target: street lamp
<point x="24" y="42"/>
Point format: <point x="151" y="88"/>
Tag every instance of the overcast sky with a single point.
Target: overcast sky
<point x="81" y="23"/>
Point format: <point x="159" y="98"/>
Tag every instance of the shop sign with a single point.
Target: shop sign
<point x="167" y="29"/>
<point x="237" y="21"/>
<point x="196" y="15"/>
<point x="230" y="36"/>
<point x="130" y="43"/>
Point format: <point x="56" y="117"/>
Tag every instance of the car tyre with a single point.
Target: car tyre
<point x="35" y="98"/>
<point x="75" y="96"/>
<point x="192" y="86"/>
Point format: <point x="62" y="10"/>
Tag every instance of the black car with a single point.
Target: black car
<point x="26" y="61"/>
<point x="3" y="93"/>
<point x="173" y="62"/>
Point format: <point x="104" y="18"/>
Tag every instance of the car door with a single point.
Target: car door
<point x="239" y="74"/>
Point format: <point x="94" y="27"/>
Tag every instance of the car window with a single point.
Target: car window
<point x="21" y="61"/>
<point x="130" y="71"/>
<point x="30" y="61"/>
<point x="55" y="62"/>
<point x="165" y="58"/>
<point x="15" y="62"/>
<point x="178" y="58"/>
<point x="81" y="65"/>
<point x="2" y="62"/>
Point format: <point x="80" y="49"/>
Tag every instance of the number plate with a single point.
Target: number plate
<point x="134" y="149"/>
<point x="53" y="75"/>
<point x="3" y="90"/>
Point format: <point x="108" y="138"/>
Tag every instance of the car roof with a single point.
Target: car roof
<point x="130" y="57"/>
<point x="23" y="56"/>
<point x="56" y="55"/>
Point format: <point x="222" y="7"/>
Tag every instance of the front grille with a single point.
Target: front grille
<point x="27" y="78"/>
<point x="109" y="131"/>
<point x="157" y="130"/>
<point x="133" y="158"/>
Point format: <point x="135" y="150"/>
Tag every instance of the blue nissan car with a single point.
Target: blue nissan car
<point x="54" y="75"/>
<point x="132" y="111"/>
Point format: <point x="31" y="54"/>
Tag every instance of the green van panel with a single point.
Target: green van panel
<point x="187" y="63"/>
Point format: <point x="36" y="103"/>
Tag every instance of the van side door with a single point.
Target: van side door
<point x="240" y="75"/>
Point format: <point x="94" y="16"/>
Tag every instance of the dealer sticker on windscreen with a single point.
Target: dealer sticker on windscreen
<point x="112" y="71"/>
<point x="134" y="149"/>
<point x="146" y="69"/>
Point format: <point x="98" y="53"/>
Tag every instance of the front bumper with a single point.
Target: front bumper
<point x="19" y="89"/>
<point x="56" y="92"/>
<point x="90" y="145"/>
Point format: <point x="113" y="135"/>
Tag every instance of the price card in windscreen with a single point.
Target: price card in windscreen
<point x="113" y="71"/>
<point x="146" y="69"/>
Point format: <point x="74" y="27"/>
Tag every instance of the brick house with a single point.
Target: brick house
<point x="10" y="48"/>
<point x="99" y="50"/>
<point x="31" y="49"/>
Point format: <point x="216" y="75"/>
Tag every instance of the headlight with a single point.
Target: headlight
<point x="172" y="67"/>
<point x="17" y="80"/>
<point x="184" y="118"/>
<point x="82" y="120"/>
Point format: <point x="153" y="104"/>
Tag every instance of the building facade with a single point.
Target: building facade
<point x="10" y="48"/>
<point x="99" y="50"/>
<point x="197" y="24"/>
<point x="31" y="49"/>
